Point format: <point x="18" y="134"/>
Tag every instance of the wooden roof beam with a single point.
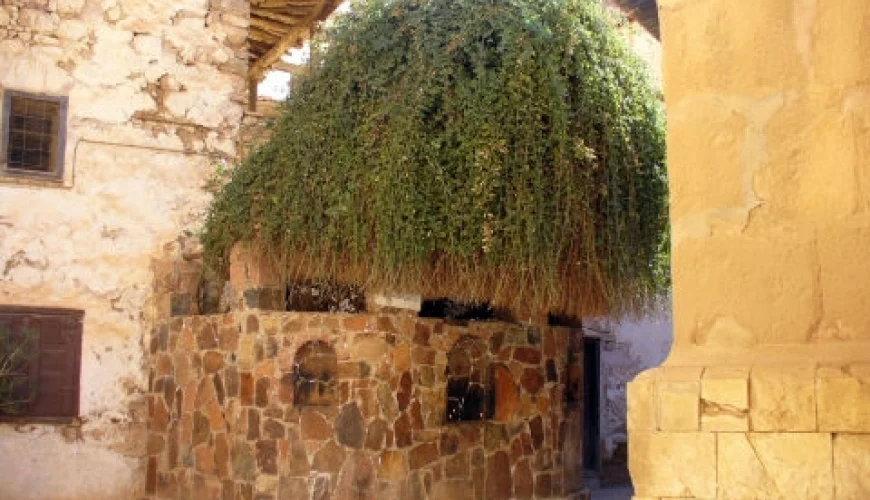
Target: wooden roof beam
<point x="293" y="38"/>
<point x="272" y="4"/>
<point x="263" y="36"/>
<point x="280" y="16"/>
<point x="278" y="29"/>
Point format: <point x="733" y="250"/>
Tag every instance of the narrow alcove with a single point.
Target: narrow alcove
<point x="315" y="374"/>
<point x="466" y="382"/>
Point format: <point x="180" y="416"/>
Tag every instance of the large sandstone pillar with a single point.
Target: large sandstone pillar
<point x="766" y="393"/>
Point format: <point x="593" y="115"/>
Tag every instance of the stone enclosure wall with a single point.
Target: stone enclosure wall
<point x="242" y="406"/>
<point x="156" y="92"/>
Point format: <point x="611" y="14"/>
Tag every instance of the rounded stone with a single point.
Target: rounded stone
<point x="532" y="381"/>
<point x="499" y="484"/>
<point x="350" y="428"/>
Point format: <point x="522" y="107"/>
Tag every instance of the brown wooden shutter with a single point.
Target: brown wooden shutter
<point x="56" y="368"/>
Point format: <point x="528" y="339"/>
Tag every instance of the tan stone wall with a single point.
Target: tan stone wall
<point x="225" y="423"/>
<point x="156" y="91"/>
<point x="768" y="126"/>
<point x="763" y="395"/>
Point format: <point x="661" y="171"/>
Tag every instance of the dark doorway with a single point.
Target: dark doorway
<point x="591" y="404"/>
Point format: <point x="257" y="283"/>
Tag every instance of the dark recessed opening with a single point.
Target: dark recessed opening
<point x="467" y="398"/>
<point x="315" y="375"/>
<point x="324" y="296"/>
<point x="456" y="310"/>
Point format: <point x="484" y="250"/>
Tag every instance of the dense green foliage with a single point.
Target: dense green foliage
<point x="508" y="150"/>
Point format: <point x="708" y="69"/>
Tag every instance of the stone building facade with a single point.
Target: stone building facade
<point x="285" y="405"/>
<point x="154" y="92"/>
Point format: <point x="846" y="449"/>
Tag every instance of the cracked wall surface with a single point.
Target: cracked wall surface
<point x="156" y="93"/>
<point x="764" y="394"/>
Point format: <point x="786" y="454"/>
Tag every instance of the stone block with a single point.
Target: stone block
<point x="718" y="144"/>
<point x="350" y="426"/>
<point x="329" y="458"/>
<point x="775" y="465"/>
<point x="705" y="58"/>
<point x="422" y="454"/>
<point x="844" y="398"/>
<point x="679" y="391"/>
<point x="251" y="271"/>
<point x="782" y="398"/>
<point x="70" y="7"/>
<point x="393" y="465"/>
<point x="852" y="466"/>
<point x="394" y="301"/>
<point x="845" y="272"/>
<point x="499" y="483"/>
<point x="369" y="347"/>
<point x="670" y="464"/>
<point x="725" y="399"/>
<point x="641" y="399"/>
<point x="839" y="43"/>
<point x="759" y="313"/>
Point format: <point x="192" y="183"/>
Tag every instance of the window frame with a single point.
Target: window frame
<point x="57" y="172"/>
<point x="71" y="316"/>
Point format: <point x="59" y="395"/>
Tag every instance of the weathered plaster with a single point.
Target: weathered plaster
<point x="156" y="93"/>
<point x="631" y="347"/>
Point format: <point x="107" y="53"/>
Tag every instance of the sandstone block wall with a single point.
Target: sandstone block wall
<point x="763" y="395"/>
<point x="156" y="93"/>
<point x="782" y="431"/>
<point x="226" y="423"/>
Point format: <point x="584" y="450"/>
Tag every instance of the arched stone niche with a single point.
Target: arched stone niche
<point x="467" y="382"/>
<point x="315" y="375"/>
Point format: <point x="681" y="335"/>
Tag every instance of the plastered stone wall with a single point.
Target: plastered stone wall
<point x="764" y="394"/>
<point x="628" y="347"/>
<point x="156" y="91"/>
<point x="226" y="422"/>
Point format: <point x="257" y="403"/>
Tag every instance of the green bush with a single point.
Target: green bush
<point x="16" y="351"/>
<point x="503" y="150"/>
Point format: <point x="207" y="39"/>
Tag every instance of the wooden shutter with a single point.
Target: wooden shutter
<point x="56" y="367"/>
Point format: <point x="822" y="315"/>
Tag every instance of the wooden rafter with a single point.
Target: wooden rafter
<point x="293" y="36"/>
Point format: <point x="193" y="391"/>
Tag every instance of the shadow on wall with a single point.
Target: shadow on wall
<point x="630" y="347"/>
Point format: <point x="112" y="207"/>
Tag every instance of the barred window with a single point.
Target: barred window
<point x="34" y="132"/>
<point x="40" y="363"/>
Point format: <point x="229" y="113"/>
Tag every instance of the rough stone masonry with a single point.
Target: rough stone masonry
<point x="227" y="419"/>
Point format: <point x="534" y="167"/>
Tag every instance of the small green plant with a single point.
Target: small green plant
<point x="17" y="349"/>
